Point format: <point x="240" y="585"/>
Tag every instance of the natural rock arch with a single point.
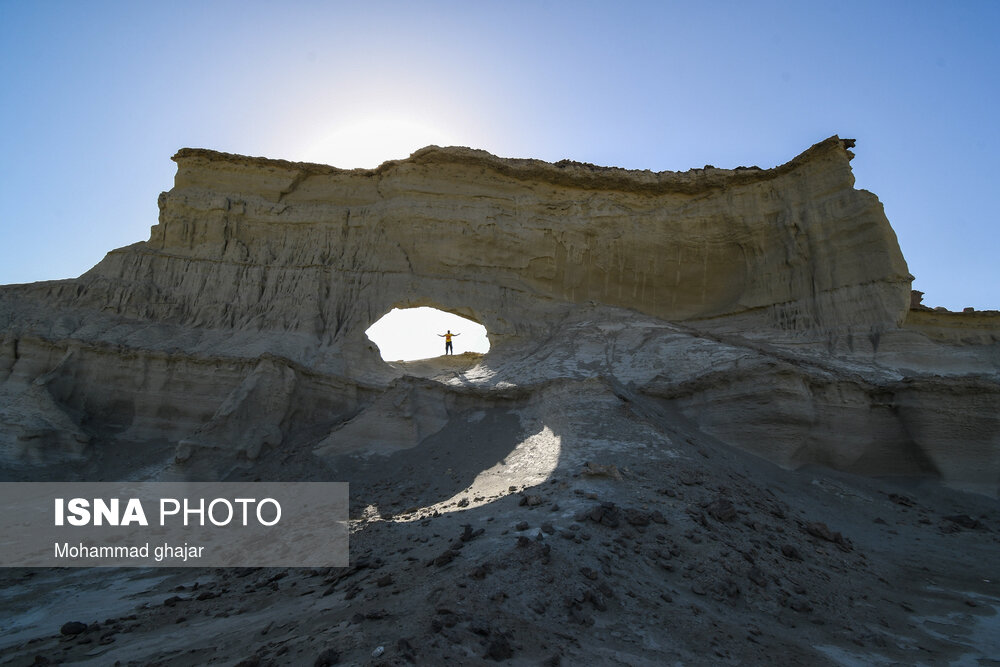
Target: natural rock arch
<point x="255" y="288"/>
<point x="310" y="248"/>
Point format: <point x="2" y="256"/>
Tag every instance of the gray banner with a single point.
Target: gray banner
<point x="174" y="524"/>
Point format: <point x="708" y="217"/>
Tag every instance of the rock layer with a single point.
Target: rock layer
<point x="313" y="249"/>
<point x="768" y="308"/>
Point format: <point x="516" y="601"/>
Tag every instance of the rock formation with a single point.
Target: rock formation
<point x="769" y="307"/>
<point x="599" y="487"/>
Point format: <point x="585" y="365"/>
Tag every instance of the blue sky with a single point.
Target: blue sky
<point x="97" y="96"/>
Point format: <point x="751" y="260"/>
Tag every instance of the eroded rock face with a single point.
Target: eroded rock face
<point x="767" y="308"/>
<point x="513" y="243"/>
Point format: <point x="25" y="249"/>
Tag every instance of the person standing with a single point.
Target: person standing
<point x="447" y="341"/>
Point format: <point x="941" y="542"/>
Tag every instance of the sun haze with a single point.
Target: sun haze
<point x="369" y="142"/>
<point x="98" y="96"/>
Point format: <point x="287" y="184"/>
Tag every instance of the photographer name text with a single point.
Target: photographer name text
<point x="162" y="552"/>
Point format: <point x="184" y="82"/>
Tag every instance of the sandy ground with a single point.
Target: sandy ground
<point x="612" y="534"/>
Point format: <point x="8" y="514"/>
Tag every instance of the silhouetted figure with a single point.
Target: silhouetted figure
<point x="447" y="341"/>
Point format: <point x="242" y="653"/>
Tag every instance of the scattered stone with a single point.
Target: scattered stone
<point x="592" y="469"/>
<point x="605" y="514"/>
<point x="405" y="649"/>
<point x="823" y="532"/>
<point x="480" y="626"/>
<point x="523" y="525"/>
<point x="464" y="502"/>
<point x="635" y="517"/>
<point x="327" y="658"/>
<point x="689" y="479"/>
<point x="800" y="605"/>
<point x="468" y="534"/>
<point x="757" y="576"/>
<point x="444" y="619"/>
<point x="597" y="601"/>
<point x="384" y="580"/>
<point x="901" y="500"/>
<point x="966" y="521"/>
<point x="722" y="509"/>
<point x="444" y="558"/>
<point x="790" y="552"/>
<point x="73" y="628"/>
<point x="577" y="616"/>
<point x="548" y="528"/>
<point x="726" y="589"/>
<point x="499" y="649"/>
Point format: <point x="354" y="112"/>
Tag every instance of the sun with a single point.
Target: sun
<point x="370" y="142"/>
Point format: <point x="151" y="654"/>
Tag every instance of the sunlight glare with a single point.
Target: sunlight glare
<point x="414" y="333"/>
<point x="369" y="143"/>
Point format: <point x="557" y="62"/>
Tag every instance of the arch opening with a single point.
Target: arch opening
<point x="408" y="334"/>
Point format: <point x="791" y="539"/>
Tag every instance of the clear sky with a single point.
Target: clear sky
<point x="415" y="333"/>
<point x="96" y="97"/>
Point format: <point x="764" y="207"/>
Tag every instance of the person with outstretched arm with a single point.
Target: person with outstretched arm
<point x="447" y="341"/>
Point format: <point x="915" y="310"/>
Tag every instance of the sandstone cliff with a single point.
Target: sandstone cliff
<point x="768" y="309"/>
<point x="511" y="243"/>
